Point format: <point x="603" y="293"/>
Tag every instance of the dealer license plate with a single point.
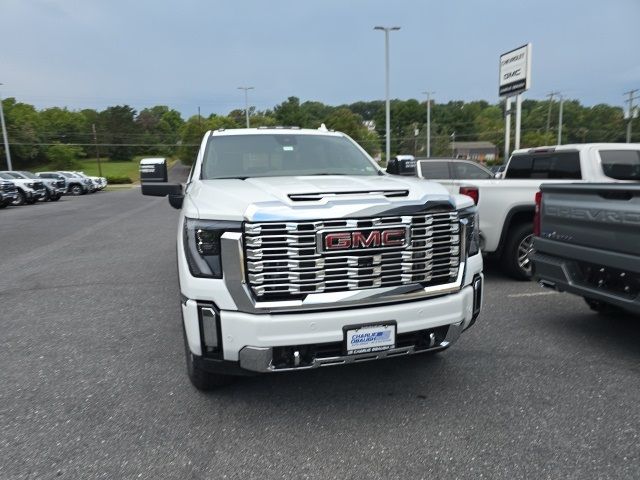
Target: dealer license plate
<point x="370" y="338"/>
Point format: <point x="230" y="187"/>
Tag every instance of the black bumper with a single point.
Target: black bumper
<point x="592" y="273"/>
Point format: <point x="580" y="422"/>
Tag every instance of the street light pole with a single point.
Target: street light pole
<point x="428" y="94"/>
<point x="386" y="31"/>
<point x="4" y="135"/>
<point x="246" y="102"/>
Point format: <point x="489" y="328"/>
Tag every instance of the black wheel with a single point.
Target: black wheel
<point x="20" y="200"/>
<point x="76" y="190"/>
<point x="3" y="204"/>
<point x="47" y="196"/>
<point x="55" y="198"/>
<point x="202" y="380"/>
<point x="515" y="257"/>
<point x="601" y="307"/>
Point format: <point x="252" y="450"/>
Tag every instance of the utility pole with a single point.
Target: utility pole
<point x="199" y="122"/>
<point x="95" y="141"/>
<point x="630" y="111"/>
<point x="560" y="120"/>
<point x="4" y="135"/>
<point x="550" y="95"/>
<point x="428" y="94"/>
<point x="246" y="102"/>
<point x="453" y="145"/>
<point x="386" y="31"/>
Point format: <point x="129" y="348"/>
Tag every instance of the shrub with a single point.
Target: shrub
<point x="118" y="179"/>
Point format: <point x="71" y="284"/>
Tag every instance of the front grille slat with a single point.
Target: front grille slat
<point x="284" y="261"/>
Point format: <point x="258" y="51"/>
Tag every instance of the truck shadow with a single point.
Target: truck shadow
<point x="379" y="384"/>
<point x="602" y="332"/>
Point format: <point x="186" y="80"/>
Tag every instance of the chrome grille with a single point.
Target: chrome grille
<point x="283" y="260"/>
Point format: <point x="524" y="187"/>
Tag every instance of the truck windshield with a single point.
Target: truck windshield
<point x="14" y="175"/>
<point x="621" y="164"/>
<point x="267" y="155"/>
<point x="28" y="175"/>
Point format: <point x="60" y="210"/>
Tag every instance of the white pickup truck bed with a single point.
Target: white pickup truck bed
<point x="506" y="206"/>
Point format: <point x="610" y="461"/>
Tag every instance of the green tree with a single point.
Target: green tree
<point x="24" y="130"/>
<point x="159" y="128"/>
<point x="62" y="125"/>
<point x="290" y="114"/>
<point x="118" y="129"/>
<point x="64" y="157"/>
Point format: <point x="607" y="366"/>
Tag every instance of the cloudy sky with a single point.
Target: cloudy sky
<point x="190" y="53"/>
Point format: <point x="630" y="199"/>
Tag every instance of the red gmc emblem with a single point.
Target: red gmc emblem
<point x="360" y="240"/>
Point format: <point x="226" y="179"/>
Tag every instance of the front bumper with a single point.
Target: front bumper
<point x="251" y="342"/>
<point x="40" y="193"/>
<point x="8" y="197"/>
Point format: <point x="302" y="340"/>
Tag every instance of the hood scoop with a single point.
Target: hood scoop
<point x="314" y="197"/>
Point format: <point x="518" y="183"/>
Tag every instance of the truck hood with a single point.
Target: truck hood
<point x="24" y="181"/>
<point x="309" y="197"/>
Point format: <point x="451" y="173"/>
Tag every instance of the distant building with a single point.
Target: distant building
<point x="478" y="151"/>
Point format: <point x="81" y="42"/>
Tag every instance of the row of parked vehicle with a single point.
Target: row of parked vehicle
<point x="19" y="187"/>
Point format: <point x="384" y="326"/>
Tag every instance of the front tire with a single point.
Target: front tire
<point x="21" y="200"/>
<point x="516" y="261"/>
<point x="54" y="198"/>
<point x="202" y="380"/>
<point x="75" y="190"/>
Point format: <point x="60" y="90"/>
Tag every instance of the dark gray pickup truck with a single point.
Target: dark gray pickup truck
<point x="588" y="243"/>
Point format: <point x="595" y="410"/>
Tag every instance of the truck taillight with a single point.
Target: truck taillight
<point x="536" y="217"/>
<point x="472" y="192"/>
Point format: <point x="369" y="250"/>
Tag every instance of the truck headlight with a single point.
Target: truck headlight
<point x="469" y="218"/>
<point x="30" y="184"/>
<point x="202" y="245"/>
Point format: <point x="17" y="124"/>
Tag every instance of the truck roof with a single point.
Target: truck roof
<point x="275" y="130"/>
<point x="578" y="146"/>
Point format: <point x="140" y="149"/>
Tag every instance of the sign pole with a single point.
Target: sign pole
<point x="507" y="128"/>
<point x="518" y="119"/>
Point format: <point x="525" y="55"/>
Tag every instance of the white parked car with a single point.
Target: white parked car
<point x="295" y="251"/>
<point x="99" y="183"/>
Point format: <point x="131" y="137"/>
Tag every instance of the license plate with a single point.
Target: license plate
<point x="370" y="338"/>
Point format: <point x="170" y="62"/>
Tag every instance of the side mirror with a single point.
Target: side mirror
<point x="153" y="181"/>
<point x="153" y="170"/>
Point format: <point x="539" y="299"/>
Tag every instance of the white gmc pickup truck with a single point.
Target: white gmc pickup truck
<point x="506" y="206"/>
<point x="296" y="251"/>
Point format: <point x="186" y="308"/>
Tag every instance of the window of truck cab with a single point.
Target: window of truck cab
<point x="549" y="165"/>
<point x="621" y="164"/>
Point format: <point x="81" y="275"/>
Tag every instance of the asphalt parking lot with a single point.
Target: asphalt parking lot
<point x="93" y="383"/>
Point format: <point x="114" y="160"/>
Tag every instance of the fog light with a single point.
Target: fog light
<point x="210" y="325"/>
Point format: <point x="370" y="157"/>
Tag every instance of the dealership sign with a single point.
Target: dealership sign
<point x="515" y="71"/>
